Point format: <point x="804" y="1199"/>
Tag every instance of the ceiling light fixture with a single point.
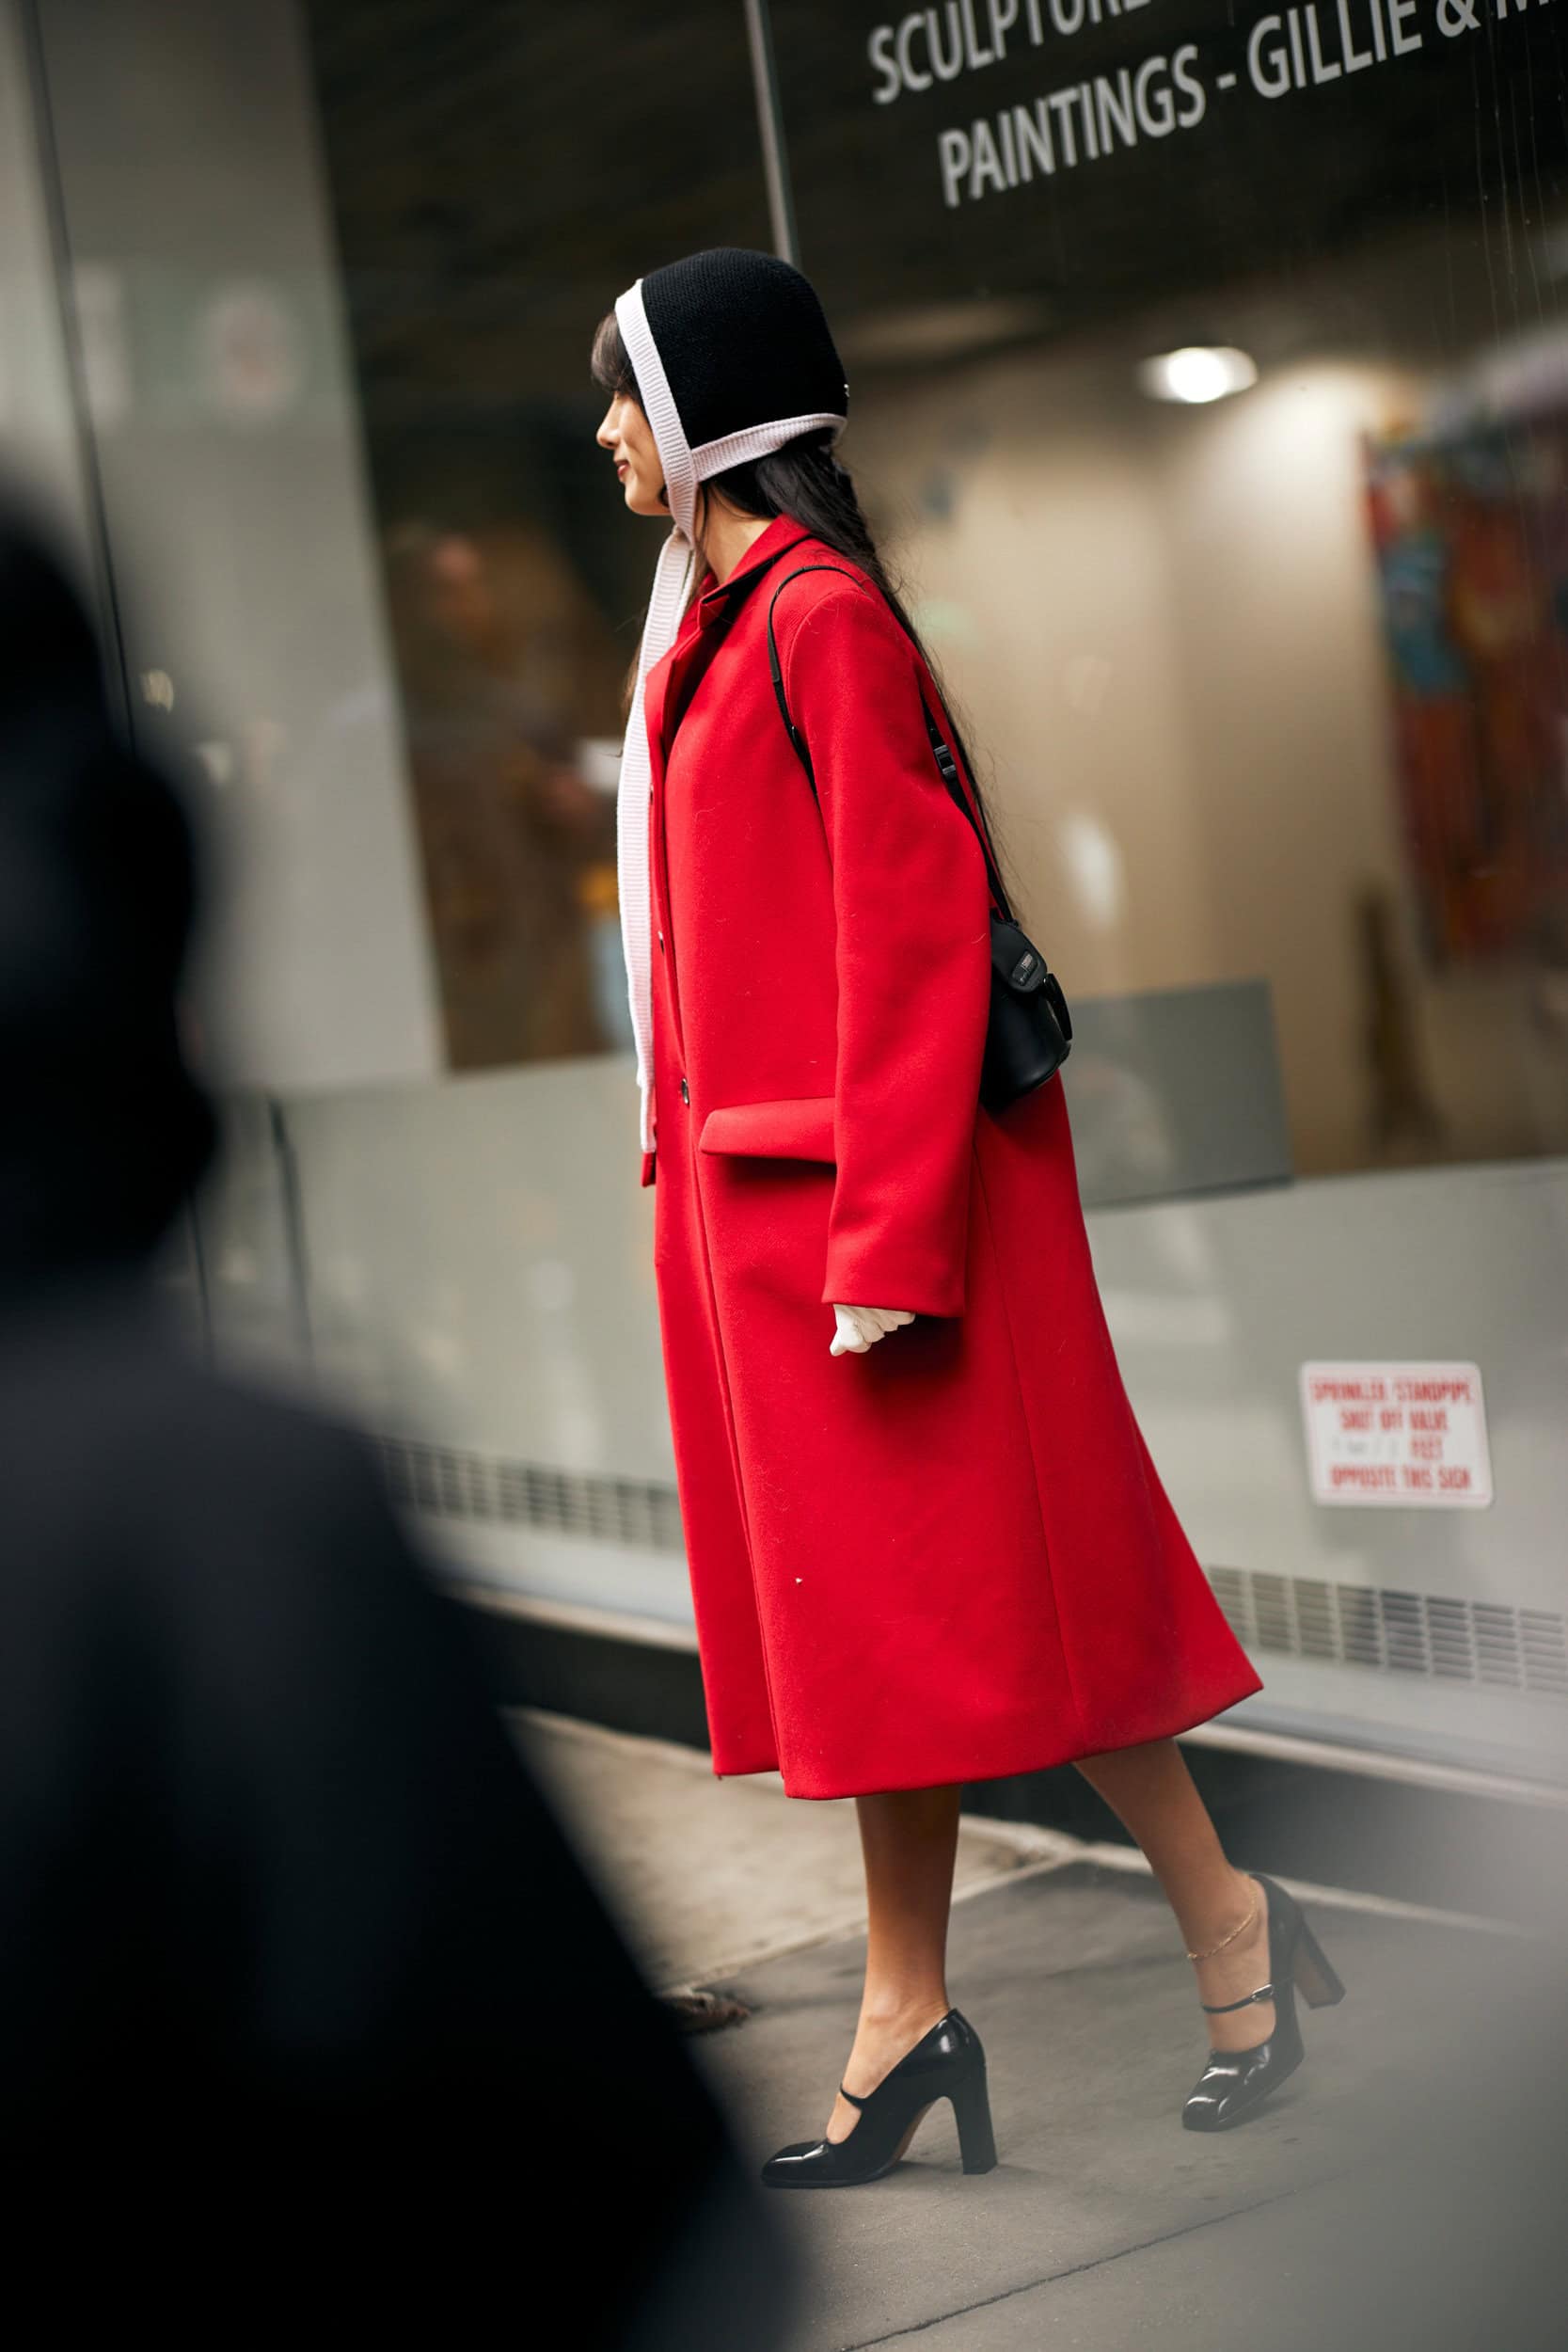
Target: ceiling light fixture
<point x="1199" y="372"/>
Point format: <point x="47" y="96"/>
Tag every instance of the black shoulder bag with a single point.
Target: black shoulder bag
<point x="1029" y="1031"/>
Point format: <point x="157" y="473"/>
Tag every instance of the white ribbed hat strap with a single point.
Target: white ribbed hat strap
<point x="758" y="441"/>
<point x="658" y="406"/>
<point x="631" y="815"/>
<point x="684" y="467"/>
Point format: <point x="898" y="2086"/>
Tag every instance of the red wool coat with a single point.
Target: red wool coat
<point x="950" y="1558"/>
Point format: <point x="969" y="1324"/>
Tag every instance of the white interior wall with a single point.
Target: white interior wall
<point x="39" y="451"/>
<point x="1288" y="708"/>
<point x="227" y="443"/>
<point x="1045" y="592"/>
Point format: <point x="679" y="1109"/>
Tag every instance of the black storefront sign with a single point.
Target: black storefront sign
<point x="1101" y="152"/>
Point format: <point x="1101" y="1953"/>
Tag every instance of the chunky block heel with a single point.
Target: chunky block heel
<point x="1320" y="1987"/>
<point x="947" y="2063"/>
<point x="1235" y="2083"/>
<point x="972" y="2113"/>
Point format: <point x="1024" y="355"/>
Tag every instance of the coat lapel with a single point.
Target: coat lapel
<point x="655" y="704"/>
<point x="663" y="693"/>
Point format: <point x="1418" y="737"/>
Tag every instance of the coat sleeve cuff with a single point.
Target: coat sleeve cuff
<point x="926" y="1287"/>
<point x="648" y="1159"/>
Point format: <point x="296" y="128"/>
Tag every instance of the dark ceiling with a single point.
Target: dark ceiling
<point x="501" y="173"/>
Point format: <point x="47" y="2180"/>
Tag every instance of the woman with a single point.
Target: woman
<point x="927" y="1542"/>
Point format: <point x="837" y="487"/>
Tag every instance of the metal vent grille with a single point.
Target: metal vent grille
<point x="453" y="1484"/>
<point x="1484" y="1642"/>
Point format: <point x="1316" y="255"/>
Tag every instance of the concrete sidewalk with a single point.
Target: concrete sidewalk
<point x="1104" y="2224"/>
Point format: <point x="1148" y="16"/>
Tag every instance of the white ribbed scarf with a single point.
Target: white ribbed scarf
<point x="684" y="467"/>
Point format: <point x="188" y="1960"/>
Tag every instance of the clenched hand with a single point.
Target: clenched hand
<point x="860" y="1327"/>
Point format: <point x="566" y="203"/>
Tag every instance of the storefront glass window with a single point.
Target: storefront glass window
<point x="1209" y="386"/>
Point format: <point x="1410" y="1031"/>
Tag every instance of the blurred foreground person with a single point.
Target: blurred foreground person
<point x="303" y="2000"/>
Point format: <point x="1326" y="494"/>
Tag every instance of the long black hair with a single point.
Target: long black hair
<point x="804" y="481"/>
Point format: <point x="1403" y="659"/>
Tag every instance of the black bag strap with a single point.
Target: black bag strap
<point x="735" y="593"/>
<point x="947" y="767"/>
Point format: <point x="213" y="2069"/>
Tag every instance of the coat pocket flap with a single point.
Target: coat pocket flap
<point x="801" y="1129"/>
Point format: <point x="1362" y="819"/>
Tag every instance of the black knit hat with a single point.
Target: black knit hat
<point x="743" y="340"/>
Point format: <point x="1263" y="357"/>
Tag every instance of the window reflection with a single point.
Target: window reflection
<point x="1228" y="479"/>
<point x="1231" y="470"/>
<point x="497" y="176"/>
<point x="518" y="846"/>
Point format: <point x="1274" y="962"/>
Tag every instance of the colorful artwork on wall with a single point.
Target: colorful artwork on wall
<point x="1471" y="534"/>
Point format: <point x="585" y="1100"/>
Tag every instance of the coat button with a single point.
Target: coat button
<point x="686" y="1093"/>
<point x="661" y="942"/>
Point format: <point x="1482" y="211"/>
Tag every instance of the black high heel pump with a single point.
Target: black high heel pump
<point x="1236" y="2082"/>
<point x="947" y="2063"/>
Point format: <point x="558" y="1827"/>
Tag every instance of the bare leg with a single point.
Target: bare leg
<point x="908" y="1837"/>
<point x="1150" y="1790"/>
